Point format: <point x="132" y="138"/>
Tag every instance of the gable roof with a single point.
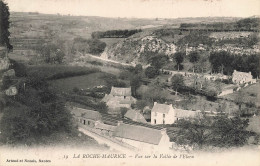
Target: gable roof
<point x="179" y="113"/>
<point x="239" y="73"/>
<point x="162" y="108"/>
<point x="138" y="133"/>
<point x="135" y="116"/>
<point x="105" y="126"/>
<point x="120" y="91"/>
<point x="85" y="113"/>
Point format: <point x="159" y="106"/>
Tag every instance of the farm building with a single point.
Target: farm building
<point x="85" y="116"/>
<point x="143" y="138"/>
<point x="119" y="98"/>
<point x="242" y="77"/>
<point x="104" y="129"/>
<point x="135" y="116"/>
<point x="166" y="114"/>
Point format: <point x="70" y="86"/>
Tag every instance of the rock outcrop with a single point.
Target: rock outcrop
<point x="132" y="49"/>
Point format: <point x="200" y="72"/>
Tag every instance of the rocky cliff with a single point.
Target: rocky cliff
<point x="131" y="50"/>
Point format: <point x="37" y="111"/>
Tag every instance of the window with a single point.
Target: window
<point x="84" y="122"/>
<point x="88" y="122"/>
<point x="163" y="121"/>
<point x="163" y="115"/>
<point x="124" y="97"/>
<point x="154" y="121"/>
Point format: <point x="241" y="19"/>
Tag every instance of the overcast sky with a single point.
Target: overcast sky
<point x="140" y="8"/>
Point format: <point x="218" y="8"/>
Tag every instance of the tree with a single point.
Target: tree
<point x="51" y="53"/>
<point x="229" y="132"/>
<point x="158" y="61"/>
<point x="151" y="72"/>
<point x="193" y="132"/>
<point x="218" y="131"/>
<point x="179" y="57"/>
<point x="35" y="112"/>
<point x="138" y="69"/>
<point x="194" y="58"/>
<point x="239" y="100"/>
<point x="177" y="82"/>
<point x="135" y="83"/>
<point x="4" y="25"/>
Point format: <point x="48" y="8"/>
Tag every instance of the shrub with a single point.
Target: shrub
<point x="151" y="72"/>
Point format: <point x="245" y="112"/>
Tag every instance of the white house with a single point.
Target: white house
<point x="166" y="114"/>
<point x="242" y="77"/>
<point x="143" y="138"/>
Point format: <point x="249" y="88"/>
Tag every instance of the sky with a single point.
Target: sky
<point x="140" y="8"/>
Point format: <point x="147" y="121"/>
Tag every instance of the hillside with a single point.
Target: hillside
<point x="234" y="37"/>
<point x="135" y="49"/>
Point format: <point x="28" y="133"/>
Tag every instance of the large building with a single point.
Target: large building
<point x="242" y="77"/>
<point x="119" y="98"/>
<point x="166" y="114"/>
<point x="143" y="138"/>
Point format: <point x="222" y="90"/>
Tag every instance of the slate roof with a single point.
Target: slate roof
<point x="120" y="91"/>
<point x="88" y="114"/>
<point x="162" y="108"/>
<point x="135" y="116"/>
<point x="105" y="127"/>
<point x="179" y="113"/>
<point x="138" y="133"/>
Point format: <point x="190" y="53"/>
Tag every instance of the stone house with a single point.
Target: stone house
<point x="242" y="77"/>
<point x="143" y="138"/>
<point x="92" y="120"/>
<point x="166" y="114"/>
<point x="119" y="98"/>
<point x="86" y="117"/>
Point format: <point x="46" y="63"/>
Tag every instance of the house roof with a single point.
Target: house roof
<point x="241" y="73"/>
<point x="138" y="133"/>
<point x="88" y="114"/>
<point x="179" y="113"/>
<point x="120" y="91"/>
<point x="135" y="116"/>
<point x="105" y="127"/>
<point x="162" y="108"/>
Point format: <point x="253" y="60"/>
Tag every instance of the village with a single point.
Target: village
<point x="148" y="128"/>
<point x="155" y="85"/>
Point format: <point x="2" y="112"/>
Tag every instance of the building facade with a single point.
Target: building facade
<point x="166" y="114"/>
<point x="143" y="138"/>
<point x="242" y="77"/>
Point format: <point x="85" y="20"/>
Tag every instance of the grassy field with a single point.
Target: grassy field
<point x="249" y="94"/>
<point x="81" y="82"/>
<point x="59" y="71"/>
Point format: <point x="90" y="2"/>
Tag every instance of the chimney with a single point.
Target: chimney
<point x="154" y="103"/>
<point x="119" y="122"/>
<point x="163" y="131"/>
